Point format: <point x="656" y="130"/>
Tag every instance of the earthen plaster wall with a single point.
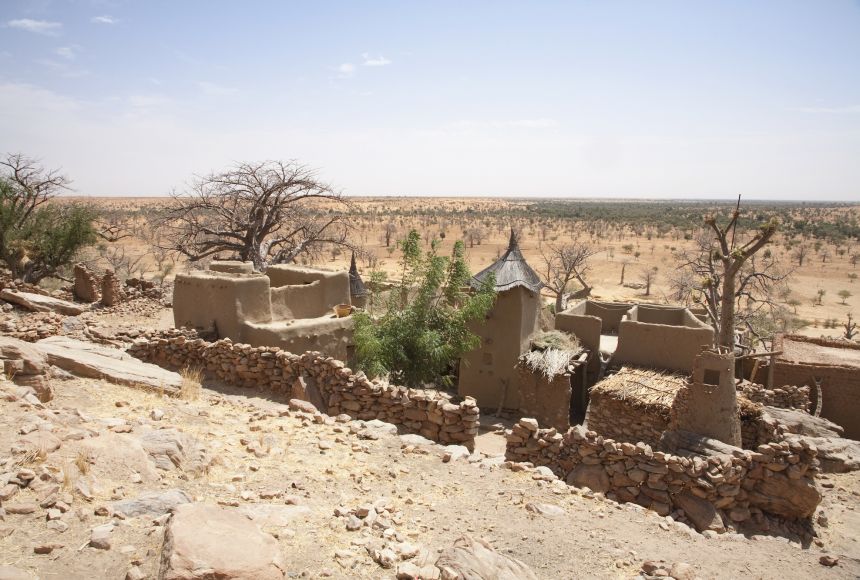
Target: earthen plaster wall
<point x="429" y="413"/>
<point x="660" y="346"/>
<point x="489" y="373"/>
<point x="546" y="400"/>
<point x="228" y="300"/>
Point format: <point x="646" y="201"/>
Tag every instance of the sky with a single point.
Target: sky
<point x="638" y="98"/>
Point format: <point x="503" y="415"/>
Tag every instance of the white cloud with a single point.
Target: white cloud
<point x="64" y="69"/>
<point x="346" y="70"/>
<point x="103" y="19"/>
<point x="847" y="109"/>
<point x="374" y="60"/>
<point x="67" y="52"/>
<point x="215" y="90"/>
<point x="36" y="26"/>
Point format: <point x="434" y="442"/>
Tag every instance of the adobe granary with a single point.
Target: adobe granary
<point x="489" y="372"/>
<point x="831" y="368"/>
<point x="357" y="290"/>
<point x="289" y="307"/>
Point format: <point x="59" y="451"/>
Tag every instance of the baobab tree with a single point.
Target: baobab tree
<point x="266" y="213"/>
<point x="727" y="280"/>
<point x="562" y="265"/>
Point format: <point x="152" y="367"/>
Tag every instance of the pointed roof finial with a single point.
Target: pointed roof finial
<point x="352" y="265"/>
<point x="513" y="242"/>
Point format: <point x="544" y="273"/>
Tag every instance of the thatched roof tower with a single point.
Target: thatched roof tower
<point x="511" y="270"/>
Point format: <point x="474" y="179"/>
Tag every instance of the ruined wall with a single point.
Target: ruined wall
<point x="488" y="373"/>
<point x="428" y="413"/>
<point x="201" y="298"/>
<point x="547" y="401"/>
<point x="840" y="385"/>
<point x="741" y="486"/>
<point x="709" y="406"/>
<point x="785" y="397"/>
<point x="660" y="346"/>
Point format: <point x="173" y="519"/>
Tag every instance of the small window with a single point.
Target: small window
<point x="711" y="377"/>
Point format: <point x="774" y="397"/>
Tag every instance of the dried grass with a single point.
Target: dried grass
<point x="550" y="362"/>
<point x="82" y="461"/>
<point x="191" y="386"/>
<point x="643" y="388"/>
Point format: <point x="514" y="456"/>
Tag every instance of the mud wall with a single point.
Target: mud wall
<point x="429" y="413"/>
<point x="711" y="490"/>
<point x="660" y="346"/>
<point x="489" y="372"/>
<point x="545" y="400"/>
<point x="306" y="292"/>
<point x="227" y="300"/>
<point x="332" y="336"/>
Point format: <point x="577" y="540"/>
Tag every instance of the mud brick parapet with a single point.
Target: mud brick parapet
<point x="709" y="491"/>
<point x="431" y="414"/>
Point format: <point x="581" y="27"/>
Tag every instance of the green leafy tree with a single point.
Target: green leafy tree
<point x="38" y="238"/>
<point x="423" y="327"/>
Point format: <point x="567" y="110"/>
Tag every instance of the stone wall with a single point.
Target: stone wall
<point x="431" y="414"/>
<point x="785" y="397"/>
<point x="618" y="419"/>
<point x="708" y="491"/>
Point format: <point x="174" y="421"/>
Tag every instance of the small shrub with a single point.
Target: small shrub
<point x="191" y="386"/>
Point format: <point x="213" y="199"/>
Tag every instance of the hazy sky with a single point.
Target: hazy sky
<point x="600" y="98"/>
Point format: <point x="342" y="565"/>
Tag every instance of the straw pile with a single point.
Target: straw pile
<point x="645" y="389"/>
<point x="551" y="353"/>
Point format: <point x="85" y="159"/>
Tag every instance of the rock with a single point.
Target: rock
<point x="88" y="359"/>
<point x="475" y="559"/>
<point x="416" y="440"/>
<point x="781" y="495"/>
<point x="591" y="476"/>
<point x="46" y="548"/>
<point x="268" y="515"/>
<point x="37" y="441"/>
<point x="135" y="573"/>
<point x="152" y="504"/>
<point x="156" y="414"/>
<point x="545" y="509"/>
<point x="172" y="449"/>
<point x="828" y="561"/>
<point x="40" y="303"/>
<point x="455" y="452"/>
<point x="20" y="508"/>
<point x="802" y="423"/>
<point x="224" y="543"/>
<point x="701" y="512"/>
<point x="100" y="537"/>
<point x="682" y="571"/>
<point x="119" y="456"/>
<point x="33" y="361"/>
<point x="303" y="406"/>
<point x="835" y="454"/>
<point x="13" y="573"/>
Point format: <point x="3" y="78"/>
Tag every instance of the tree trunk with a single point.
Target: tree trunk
<point x="726" y="335"/>
<point x="559" y="302"/>
<point x="623" y="266"/>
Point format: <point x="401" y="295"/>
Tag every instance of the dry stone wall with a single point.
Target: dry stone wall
<point x="785" y="397"/>
<point x="618" y="419"/>
<point x="431" y="414"/>
<point x="708" y="491"/>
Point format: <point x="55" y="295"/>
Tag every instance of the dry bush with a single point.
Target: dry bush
<point x="82" y="461"/>
<point x="191" y="383"/>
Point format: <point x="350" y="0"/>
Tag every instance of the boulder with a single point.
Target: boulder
<point x="472" y="559"/>
<point x="152" y="504"/>
<point x="700" y="512"/>
<point x="40" y="302"/>
<point x="33" y="361"/>
<point x="87" y="359"/>
<point x="802" y="423"/>
<point x="206" y="542"/>
<point x="119" y="457"/>
<point x="783" y="496"/>
<point x="591" y="476"/>
<point x="172" y="449"/>
<point x="835" y="454"/>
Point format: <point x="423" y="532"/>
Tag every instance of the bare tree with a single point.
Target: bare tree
<point x="474" y="236"/>
<point x="850" y="328"/>
<point x="727" y="280"/>
<point x="388" y="233"/>
<point x="800" y="253"/>
<point x="648" y="276"/>
<point x="267" y="213"/>
<point x="564" y="264"/>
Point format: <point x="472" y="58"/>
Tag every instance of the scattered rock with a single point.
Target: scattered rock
<point x="152" y="504"/>
<point x="473" y="559"/>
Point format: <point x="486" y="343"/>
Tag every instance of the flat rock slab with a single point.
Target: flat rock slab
<point x="267" y="515"/>
<point x="204" y="541"/>
<point x="40" y="303"/>
<point x="87" y="359"/>
<point x="152" y="504"/>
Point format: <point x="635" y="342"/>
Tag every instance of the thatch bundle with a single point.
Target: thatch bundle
<point x="551" y="353"/>
<point x="649" y="390"/>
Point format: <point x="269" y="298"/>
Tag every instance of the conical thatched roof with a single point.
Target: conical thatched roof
<point x="356" y="284"/>
<point x="511" y="270"/>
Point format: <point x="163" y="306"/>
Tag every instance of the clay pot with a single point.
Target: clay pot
<point x="343" y="310"/>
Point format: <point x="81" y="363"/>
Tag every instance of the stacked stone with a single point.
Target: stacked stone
<point x="111" y="291"/>
<point x="86" y="286"/>
<point x="744" y="486"/>
<point x="618" y="419"/>
<point x="32" y="326"/>
<point x="759" y="430"/>
<point x="785" y="397"/>
<point x="429" y="413"/>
